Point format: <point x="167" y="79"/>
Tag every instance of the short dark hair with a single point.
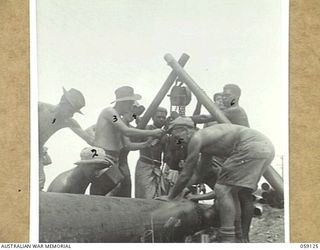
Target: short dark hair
<point x="234" y="88"/>
<point x="161" y="109"/>
<point x="215" y="96"/>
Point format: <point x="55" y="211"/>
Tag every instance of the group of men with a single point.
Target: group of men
<point x="112" y="133"/>
<point x="230" y="158"/>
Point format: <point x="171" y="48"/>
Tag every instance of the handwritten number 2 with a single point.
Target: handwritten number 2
<point x="94" y="153"/>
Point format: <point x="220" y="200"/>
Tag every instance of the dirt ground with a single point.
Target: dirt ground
<point x="269" y="227"/>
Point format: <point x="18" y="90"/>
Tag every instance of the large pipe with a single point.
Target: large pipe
<point x="196" y="90"/>
<point x="275" y="180"/>
<point x="161" y="93"/>
<point x="271" y="174"/>
<point x="76" y="218"/>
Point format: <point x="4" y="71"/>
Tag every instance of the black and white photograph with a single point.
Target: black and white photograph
<point x="162" y="121"/>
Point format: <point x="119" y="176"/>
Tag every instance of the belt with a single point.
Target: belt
<point x="114" y="155"/>
<point x="148" y="160"/>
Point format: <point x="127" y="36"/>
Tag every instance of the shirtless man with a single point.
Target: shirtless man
<point x="232" y="110"/>
<point x="55" y="117"/>
<point x="124" y="187"/>
<point x="247" y="152"/>
<point x="237" y="115"/>
<point x="76" y="180"/>
<point x="110" y="129"/>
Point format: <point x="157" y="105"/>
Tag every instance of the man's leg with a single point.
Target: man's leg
<point x="247" y="211"/>
<point x="114" y="191"/>
<point x="98" y="188"/>
<point x="124" y="189"/>
<point x="227" y="212"/>
<point x="140" y="178"/>
<point x="125" y="185"/>
<point x="237" y="221"/>
<point x="147" y="181"/>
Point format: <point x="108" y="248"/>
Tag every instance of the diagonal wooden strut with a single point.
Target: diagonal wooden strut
<point x="196" y="90"/>
<point x="162" y="93"/>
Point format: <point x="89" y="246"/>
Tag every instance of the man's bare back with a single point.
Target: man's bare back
<point x="48" y="125"/>
<point x="107" y="136"/>
<point x="220" y="139"/>
<point x="223" y="140"/>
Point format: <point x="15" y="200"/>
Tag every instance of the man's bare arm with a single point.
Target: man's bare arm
<point x="200" y="197"/>
<point x="132" y="146"/>
<point x="199" y="119"/>
<point x="76" y="128"/>
<point x="188" y="168"/>
<point x="91" y="130"/>
<point x="205" y="161"/>
<point x="127" y="131"/>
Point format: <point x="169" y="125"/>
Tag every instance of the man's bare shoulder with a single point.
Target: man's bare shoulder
<point x="109" y="112"/>
<point x="197" y="136"/>
<point x="218" y="128"/>
<point x="45" y="107"/>
<point x="72" y="123"/>
<point x="234" y="109"/>
<point x="237" y="115"/>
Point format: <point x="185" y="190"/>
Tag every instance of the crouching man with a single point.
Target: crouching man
<point x="247" y="153"/>
<point x="94" y="162"/>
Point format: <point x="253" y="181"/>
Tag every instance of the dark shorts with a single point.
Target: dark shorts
<point x="248" y="161"/>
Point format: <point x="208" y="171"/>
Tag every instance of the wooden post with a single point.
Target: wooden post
<point x="161" y="93"/>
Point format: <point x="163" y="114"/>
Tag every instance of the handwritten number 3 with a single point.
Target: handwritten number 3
<point x="115" y="118"/>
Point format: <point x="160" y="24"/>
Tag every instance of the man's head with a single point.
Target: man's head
<point x="218" y="99"/>
<point x="93" y="159"/>
<point x="159" y="117"/>
<point x="180" y="130"/>
<point x="135" y="111"/>
<point x="71" y="101"/>
<point x="125" y="98"/>
<point x="231" y="94"/>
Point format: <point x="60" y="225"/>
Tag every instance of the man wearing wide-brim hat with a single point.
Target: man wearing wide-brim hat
<point x="55" y="117"/>
<point x="93" y="162"/>
<point x="110" y="130"/>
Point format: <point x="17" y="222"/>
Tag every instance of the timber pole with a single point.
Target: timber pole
<point x="196" y="90"/>
<point x="275" y="180"/>
<point x="161" y="93"/>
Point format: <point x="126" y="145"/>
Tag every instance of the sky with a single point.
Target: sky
<point x="97" y="46"/>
